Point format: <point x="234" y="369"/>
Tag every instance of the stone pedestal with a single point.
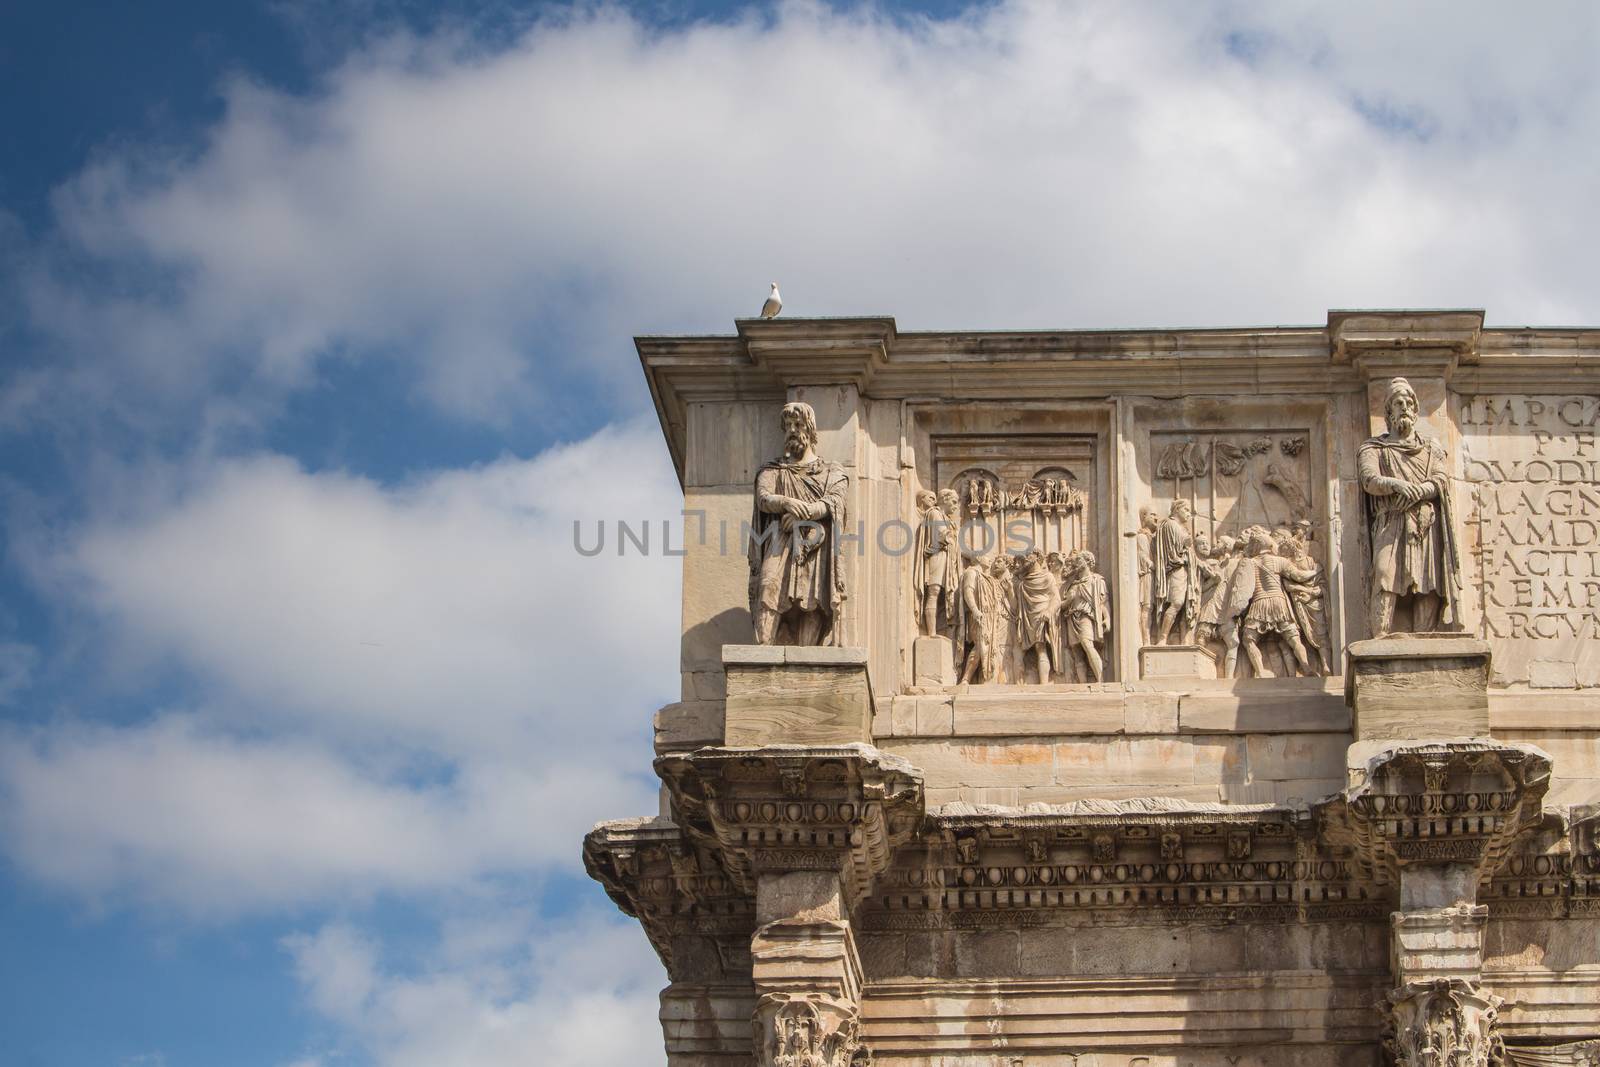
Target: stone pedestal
<point x="1415" y="686"/>
<point x="794" y="695"/>
<point x="1177" y="661"/>
<point x="933" y="661"/>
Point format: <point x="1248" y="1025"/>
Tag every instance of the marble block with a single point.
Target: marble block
<point x="1176" y="661"/>
<point x="1412" y="686"/>
<point x="933" y="661"/>
<point x="797" y="695"/>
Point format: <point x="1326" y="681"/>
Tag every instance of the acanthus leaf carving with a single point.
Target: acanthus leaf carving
<point x="1446" y="1022"/>
<point x="805" y="1030"/>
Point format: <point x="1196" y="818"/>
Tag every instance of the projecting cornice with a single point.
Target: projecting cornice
<point x="764" y="358"/>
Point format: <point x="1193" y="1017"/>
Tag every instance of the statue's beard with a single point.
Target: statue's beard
<point x="1404" y="424"/>
<point x="794" y="446"/>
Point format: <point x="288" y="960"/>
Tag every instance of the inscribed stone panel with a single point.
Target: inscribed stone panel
<point x="1534" y="525"/>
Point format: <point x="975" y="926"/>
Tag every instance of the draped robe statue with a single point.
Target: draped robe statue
<point x="1405" y="492"/>
<point x="1175" y="586"/>
<point x="796" y="586"/>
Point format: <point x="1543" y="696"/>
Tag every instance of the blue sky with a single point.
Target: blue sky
<point x="315" y="327"/>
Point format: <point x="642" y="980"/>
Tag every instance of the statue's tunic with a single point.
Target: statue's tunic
<point x="1259" y="583"/>
<point x="797" y="570"/>
<point x="976" y="628"/>
<point x="1088" y="609"/>
<point x="1038" y="603"/>
<point x="1142" y="548"/>
<point x="1413" y="548"/>
<point x="1173" y="574"/>
<point x="938" y="560"/>
<point x="1216" y="592"/>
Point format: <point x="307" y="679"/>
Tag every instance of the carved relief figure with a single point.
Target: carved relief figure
<point x="1405" y="483"/>
<point x="935" y="566"/>
<point x="1007" y="649"/>
<point x="1175" y="591"/>
<point x="1038" y="603"/>
<point x="1144" y="542"/>
<point x="1087" y="610"/>
<point x="980" y="612"/>
<point x="796" y="584"/>
<point x="1258" y="595"/>
<point x="1306" y="597"/>
<point x="1224" y="561"/>
<point x="982" y="497"/>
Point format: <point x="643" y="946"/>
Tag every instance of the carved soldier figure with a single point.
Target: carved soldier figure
<point x="1258" y="594"/>
<point x="934" y="566"/>
<point x="1087" y="610"/>
<point x="796" y="585"/>
<point x="1144" y="546"/>
<point x="1306" y="597"/>
<point x="1174" y="589"/>
<point x="1038" y="603"/>
<point x="1225" y="560"/>
<point x="1405" y="483"/>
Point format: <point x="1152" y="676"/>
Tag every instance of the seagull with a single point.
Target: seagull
<point x="774" y="304"/>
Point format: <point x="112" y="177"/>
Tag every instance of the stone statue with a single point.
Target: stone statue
<point x="1087" y="611"/>
<point x="1144" y="542"/>
<point x="1038" y="604"/>
<point x="796" y="584"/>
<point x="1257" y="594"/>
<point x="1174" y="588"/>
<point x="1405" y="483"/>
<point x="936" y="565"/>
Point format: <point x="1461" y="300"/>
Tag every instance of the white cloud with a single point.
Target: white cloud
<point x="171" y="815"/>
<point x="410" y="689"/>
<point x="452" y="612"/>
<point x="505" y="219"/>
<point x="579" y="990"/>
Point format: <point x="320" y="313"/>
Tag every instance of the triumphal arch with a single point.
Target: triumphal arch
<point x="1133" y="698"/>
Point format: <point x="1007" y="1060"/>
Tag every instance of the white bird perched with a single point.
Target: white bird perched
<point x="774" y="304"/>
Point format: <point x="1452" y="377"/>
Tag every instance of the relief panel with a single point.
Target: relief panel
<point x="1025" y="599"/>
<point x="1232" y="551"/>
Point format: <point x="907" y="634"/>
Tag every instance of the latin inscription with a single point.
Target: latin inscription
<point x="1534" y="465"/>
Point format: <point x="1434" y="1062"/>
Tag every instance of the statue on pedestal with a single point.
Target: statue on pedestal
<point x="796" y="585"/>
<point x="936" y="567"/>
<point x="1405" y="489"/>
<point x="1175" y="588"/>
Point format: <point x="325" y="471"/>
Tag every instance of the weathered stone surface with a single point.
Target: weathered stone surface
<point x="797" y="695"/>
<point x="1289" y="705"/>
<point x="1131" y="863"/>
<point x="932" y="662"/>
<point x="1419" y="685"/>
<point x="689" y="724"/>
<point x="1176" y="661"/>
<point x="982" y="714"/>
<point x="1151" y="713"/>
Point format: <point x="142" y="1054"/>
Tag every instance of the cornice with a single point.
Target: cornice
<point x="764" y="358"/>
